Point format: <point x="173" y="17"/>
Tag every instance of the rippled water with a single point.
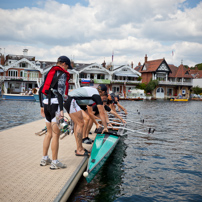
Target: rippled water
<point x="164" y="166"/>
<point x="14" y="113"/>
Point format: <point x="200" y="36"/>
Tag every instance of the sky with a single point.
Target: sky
<point x="90" y="31"/>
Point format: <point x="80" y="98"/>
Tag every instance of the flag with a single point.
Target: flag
<point x="85" y="81"/>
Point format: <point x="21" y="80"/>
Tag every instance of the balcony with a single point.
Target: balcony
<point x="125" y="81"/>
<point x="3" y="78"/>
<point x="176" y="83"/>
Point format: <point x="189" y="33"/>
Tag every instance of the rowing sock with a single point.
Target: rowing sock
<point x="55" y="161"/>
<point x="45" y="157"/>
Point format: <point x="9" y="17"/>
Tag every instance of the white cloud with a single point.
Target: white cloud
<point x="131" y="28"/>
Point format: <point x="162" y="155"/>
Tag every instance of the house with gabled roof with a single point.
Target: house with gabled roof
<point x="20" y="73"/>
<point x="172" y="80"/>
<point x="124" y="79"/>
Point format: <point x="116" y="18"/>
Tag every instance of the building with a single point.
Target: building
<point x="19" y="73"/>
<point x="172" y="80"/>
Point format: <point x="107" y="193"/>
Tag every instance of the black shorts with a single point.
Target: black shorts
<point x="50" y="113"/>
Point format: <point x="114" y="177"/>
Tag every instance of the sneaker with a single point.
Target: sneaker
<point x="86" y="141"/>
<point x="45" y="162"/>
<point x="57" y="165"/>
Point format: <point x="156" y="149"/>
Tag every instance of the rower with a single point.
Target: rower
<point x="114" y="101"/>
<point x="107" y="109"/>
<point x="83" y="98"/>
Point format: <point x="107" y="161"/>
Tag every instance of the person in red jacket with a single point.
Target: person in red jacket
<point x="54" y="88"/>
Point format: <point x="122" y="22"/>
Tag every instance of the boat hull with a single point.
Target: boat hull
<point x="103" y="146"/>
<point x="19" y="97"/>
<point x="179" y="100"/>
<point x="36" y="97"/>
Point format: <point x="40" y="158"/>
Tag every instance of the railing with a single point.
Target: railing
<point x="179" y="83"/>
<point x="20" y="78"/>
<point x="125" y="81"/>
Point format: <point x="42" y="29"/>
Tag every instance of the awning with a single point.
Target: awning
<point x="104" y="81"/>
<point x="127" y="75"/>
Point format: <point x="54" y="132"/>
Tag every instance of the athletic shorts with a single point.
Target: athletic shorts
<point x="50" y="114"/>
<point x="71" y="105"/>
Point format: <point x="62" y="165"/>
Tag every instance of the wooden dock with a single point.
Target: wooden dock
<point x="23" y="179"/>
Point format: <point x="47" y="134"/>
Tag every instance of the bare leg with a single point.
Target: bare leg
<point x="47" y="139"/>
<point x="86" y="122"/>
<point x="77" y="117"/>
<point x="55" y="141"/>
<point x="90" y="124"/>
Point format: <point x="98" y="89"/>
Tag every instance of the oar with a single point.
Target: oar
<point x="119" y="123"/>
<point x="135" y="131"/>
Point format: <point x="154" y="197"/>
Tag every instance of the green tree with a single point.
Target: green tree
<point x="199" y="66"/>
<point x="151" y="86"/>
<point x="197" y="90"/>
<point x="139" y="78"/>
<point x="141" y="86"/>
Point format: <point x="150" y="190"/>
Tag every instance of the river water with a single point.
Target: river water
<point x="163" y="166"/>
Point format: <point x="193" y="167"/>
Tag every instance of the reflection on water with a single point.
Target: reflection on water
<point x="164" y="166"/>
<point x="14" y="113"/>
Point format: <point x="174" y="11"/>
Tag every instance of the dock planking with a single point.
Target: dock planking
<point x="23" y="179"/>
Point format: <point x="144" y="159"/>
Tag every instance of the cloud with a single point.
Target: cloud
<point x="131" y="28"/>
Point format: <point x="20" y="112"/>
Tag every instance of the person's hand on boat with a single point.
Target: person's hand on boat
<point x="123" y="121"/>
<point x="42" y="112"/>
<point x="104" y="130"/>
<point x="109" y="125"/>
<point x="98" y="125"/>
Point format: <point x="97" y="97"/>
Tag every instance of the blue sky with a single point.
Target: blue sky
<point x="13" y="4"/>
<point x="90" y="30"/>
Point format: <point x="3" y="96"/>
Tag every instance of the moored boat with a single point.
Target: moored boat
<point x="36" y="97"/>
<point x="179" y="99"/>
<point x="18" y="97"/>
<point x="103" y="146"/>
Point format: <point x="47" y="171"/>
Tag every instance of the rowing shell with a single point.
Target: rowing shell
<point x="103" y="146"/>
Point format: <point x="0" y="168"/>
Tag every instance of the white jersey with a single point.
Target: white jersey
<point x="83" y="95"/>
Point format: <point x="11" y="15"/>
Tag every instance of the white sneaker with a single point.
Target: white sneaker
<point x="57" y="165"/>
<point x="45" y="162"/>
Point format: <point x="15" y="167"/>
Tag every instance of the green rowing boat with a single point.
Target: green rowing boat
<point x="103" y="146"/>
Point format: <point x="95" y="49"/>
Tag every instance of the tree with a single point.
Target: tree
<point x="141" y="86"/>
<point x="151" y="86"/>
<point x="197" y="90"/>
<point x="199" y="66"/>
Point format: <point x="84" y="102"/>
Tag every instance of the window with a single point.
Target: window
<point x="24" y="65"/>
<point x="33" y="75"/>
<point x="92" y="76"/>
<point x="83" y="75"/>
<point x="100" y="76"/>
<point x="169" y="91"/>
<point x="21" y="73"/>
<point x="116" y="89"/>
<point x="13" y="73"/>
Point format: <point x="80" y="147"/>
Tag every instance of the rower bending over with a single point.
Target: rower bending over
<point x="84" y="98"/>
<point x="107" y="109"/>
<point x="113" y="101"/>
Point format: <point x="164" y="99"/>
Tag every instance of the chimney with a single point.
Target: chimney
<point x="132" y="64"/>
<point x="145" y="58"/>
<point x="25" y="52"/>
<point x="104" y="64"/>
